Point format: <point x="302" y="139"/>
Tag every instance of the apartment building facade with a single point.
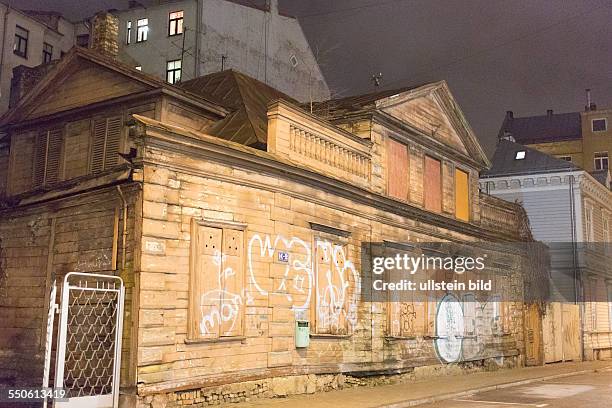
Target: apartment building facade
<point x="583" y="138"/>
<point x="30" y="38"/>
<point x="571" y="211"/>
<point x="181" y="40"/>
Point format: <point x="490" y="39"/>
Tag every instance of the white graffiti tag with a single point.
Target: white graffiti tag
<point x="298" y="268"/>
<point x="338" y="286"/>
<point x="219" y="308"/>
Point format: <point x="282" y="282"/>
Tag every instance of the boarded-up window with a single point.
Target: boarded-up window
<point x="407" y="311"/>
<point x="462" y="206"/>
<point x="398" y="173"/>
<point x="106" y="143"/>
<point x="336" y="288"/>
<point x="433" y="185"/>
<point x="216" y="280"/>
<point x="47" y="157"/>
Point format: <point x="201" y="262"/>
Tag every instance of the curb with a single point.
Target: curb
<point x="438" y="398"/>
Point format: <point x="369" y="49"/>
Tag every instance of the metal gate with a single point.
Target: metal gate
<point x="89" y="340"/>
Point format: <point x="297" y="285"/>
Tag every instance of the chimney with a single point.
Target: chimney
<point x="509" y="114"/>
<point x="272" y="6"/>
<point x="590" y="106"/>
<point x="105" y="34"/>
<point x="549" y="112"/>
<point x="25" y="78"/>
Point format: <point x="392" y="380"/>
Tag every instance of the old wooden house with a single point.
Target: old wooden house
<point x="230" y="212"/>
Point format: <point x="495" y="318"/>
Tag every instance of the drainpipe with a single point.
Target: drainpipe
<point x="124" y="234"/>
<point x="197" y="32"/>
<point x="577" y="281"/>
<point x="6" y="13"/>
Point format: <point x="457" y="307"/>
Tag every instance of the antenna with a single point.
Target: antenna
<point x="377" y="79"/>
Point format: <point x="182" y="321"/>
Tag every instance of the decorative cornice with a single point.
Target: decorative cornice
<point x="210" y="148"/>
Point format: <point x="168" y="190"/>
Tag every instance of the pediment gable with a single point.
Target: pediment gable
<point x="432" y="111"/>
<point x="82" y="84"/>
<point x="79" y="79"/>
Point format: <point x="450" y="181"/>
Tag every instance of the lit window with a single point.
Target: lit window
<point x="142" y="29"/>
<point x="138" y="67"/>
<point x="47" y="54"/>
<point x="520" y="155"/>
<point x="175" y="23"/>
<point x="599" y="125"/>
<point x="173" y="71"/>
<point x="128" y="32"/>
<point x="601" y="160"/>
<point x="21" y="42"/>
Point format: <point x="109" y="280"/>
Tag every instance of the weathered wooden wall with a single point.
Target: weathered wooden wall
<point x="41" y="243"/>
<point x="179" y="188"/>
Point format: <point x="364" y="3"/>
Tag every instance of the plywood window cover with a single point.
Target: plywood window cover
<point x="325" y="233"/>
<point x="192" y="337"/>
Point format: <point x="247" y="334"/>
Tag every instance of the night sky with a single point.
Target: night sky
<point x="522" y="55"/>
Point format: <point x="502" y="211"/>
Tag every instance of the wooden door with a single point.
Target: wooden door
<point x="571" y="332"/>
<point x="553" y="333"/>
<point x="533" y="336"/>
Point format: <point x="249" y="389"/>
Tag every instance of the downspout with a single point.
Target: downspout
<point x="8" y="10"/>
<point x="197" y="32"/>
<point x="124" y="234"/>
<point x="577" y="281"/>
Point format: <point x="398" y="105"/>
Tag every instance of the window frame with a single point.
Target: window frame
<point x="588" y="223"/>
<point x="194" y="335"/>
<point x="605" y="121"/>
<point x="142" y="28"/>
<point x="336" y="240"/>
<point x="176" y="20"/>
<point x="128" y="32"/>
<point x="601" y="160"/>
<point x="47" y="136"/>
<point x="391" y="145"/>
<point x="468" y="192"/>
<point x="609" y="290"/>
<point x="426" y="184"/>
<point x="174" y="71"/>
<point x="19" y="40"/>
<point x="47" y="53"/>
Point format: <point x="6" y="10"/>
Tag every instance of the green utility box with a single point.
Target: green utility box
<point x="302" y="333"/>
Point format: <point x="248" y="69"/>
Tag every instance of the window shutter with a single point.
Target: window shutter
<point x="398" y="173"/>
<point x="433" y="185"/>
<point x="40" y="159"/>
<point x="113" y="141"/>
<point x="98" y="145"/>
<point x="54" y="152"/>
<point x="462" y="205"/>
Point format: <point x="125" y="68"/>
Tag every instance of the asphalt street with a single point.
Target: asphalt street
<point x="593" y="390"/>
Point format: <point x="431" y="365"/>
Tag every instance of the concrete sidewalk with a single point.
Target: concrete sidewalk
<point x="426" y="391"/>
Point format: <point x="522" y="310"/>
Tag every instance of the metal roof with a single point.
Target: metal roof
<point x="505" y="162"/>
<point x="542" y="129"/>
<point x="248" y="100"/>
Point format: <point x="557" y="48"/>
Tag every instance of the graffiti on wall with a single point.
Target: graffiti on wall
<point x="219" y="307"/>
<point x="462" y="327"/>
<point x="284" y="267"/>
